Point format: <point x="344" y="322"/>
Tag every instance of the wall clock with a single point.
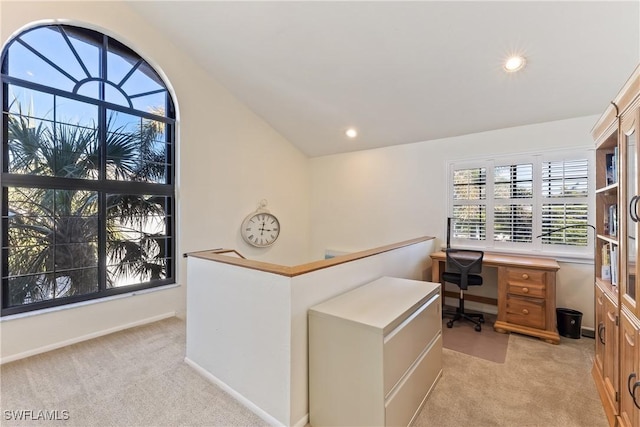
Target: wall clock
<point x="260" y="228"/>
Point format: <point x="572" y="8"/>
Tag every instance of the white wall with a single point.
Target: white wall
<point x="373" y="197"/>
<point x="228" y="160"/>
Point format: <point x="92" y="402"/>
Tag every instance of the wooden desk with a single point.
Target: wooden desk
<point x="526" y="293"/>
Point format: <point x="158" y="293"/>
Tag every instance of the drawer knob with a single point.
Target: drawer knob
<point x="525" y="290"/>
<point x="525" y="311"/>
<point x="525" y="276"/>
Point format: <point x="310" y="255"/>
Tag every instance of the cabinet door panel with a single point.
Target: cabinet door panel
<point x="630" y="145"/>
<point x="600" y="329"/>
<point x="611" y="349"/>
<point x="629" y="372"/>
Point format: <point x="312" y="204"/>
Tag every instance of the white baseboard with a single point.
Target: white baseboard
<point x="86" y="337"/>
<point x="239" y="397"/>
<point x="302" y="422"/>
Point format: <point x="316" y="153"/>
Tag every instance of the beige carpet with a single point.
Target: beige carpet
<point x="138" y="378"/>
<point x="486" y="344"/>
<point x="131" y="378"/>
<point x="539" y="385"/>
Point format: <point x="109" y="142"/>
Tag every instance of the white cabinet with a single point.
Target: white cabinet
<point x="374" y="353"/>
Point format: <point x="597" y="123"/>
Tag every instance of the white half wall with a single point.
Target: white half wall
<point x="370" y="197"/>
<point x="238" y="330"/>
<point x="228" y="160"/>
<point x="247" y="329"/>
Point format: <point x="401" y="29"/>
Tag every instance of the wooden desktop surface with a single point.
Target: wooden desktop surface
<point x="499" y="260"/>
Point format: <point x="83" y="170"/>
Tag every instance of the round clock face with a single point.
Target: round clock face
<point x="260" y="229"/>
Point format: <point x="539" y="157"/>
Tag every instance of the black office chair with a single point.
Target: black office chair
<point x="460" y="269"/>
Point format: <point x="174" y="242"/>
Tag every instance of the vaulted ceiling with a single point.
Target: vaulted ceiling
<point x="402" y="72"/>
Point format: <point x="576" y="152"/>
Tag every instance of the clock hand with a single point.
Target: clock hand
<point x="262" y="230"/>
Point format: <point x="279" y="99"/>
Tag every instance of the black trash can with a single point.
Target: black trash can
<point x="569" y="322"/>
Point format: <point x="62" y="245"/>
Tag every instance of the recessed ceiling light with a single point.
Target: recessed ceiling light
<point x="351" y="133"/>
<point x="514" y="63"/>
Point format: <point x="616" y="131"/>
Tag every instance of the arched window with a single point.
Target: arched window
<point x="88" y="130"/>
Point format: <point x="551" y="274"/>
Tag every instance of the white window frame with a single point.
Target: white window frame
<point x="537" y="159"/>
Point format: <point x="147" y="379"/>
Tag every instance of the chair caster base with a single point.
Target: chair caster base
<point x="476" y="318"/>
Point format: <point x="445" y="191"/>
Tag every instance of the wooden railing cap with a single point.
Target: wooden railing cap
<point x="221" y="255"/>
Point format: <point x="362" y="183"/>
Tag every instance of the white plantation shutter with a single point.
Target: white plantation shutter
<point x="565" y="192"/>
<point x="510" y="203"/>
<point x="469" y="203"/>
<point x="513" y="203"/>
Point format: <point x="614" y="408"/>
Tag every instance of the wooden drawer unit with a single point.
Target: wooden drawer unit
<point x="526" y="291"/>
<point x="526" y="282"/>
<point x="526" y="302"/>
<point x="526" y="311"/>
<point x="375" y="353"/>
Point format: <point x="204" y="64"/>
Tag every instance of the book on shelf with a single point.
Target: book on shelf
<point x="609" y="258"/>
<point x="612" y="215"/>
<point x="611" y="164"/>
<point x="605" y="258"/>
<point x="614" y="265"/>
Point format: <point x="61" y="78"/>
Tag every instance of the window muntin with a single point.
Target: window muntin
<point x="87" y="174"/>
<point x="68" y="58"/>
<point x="138" y="238"/>
<point x="52" y="243"/>
<point x="528" y="197"/>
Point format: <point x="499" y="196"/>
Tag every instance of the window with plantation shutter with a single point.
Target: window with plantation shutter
<point x="469" y="203"/>
<point x="565" y="192"/>
<point x="532" y="203"/>
<point x="513" y="203"/>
